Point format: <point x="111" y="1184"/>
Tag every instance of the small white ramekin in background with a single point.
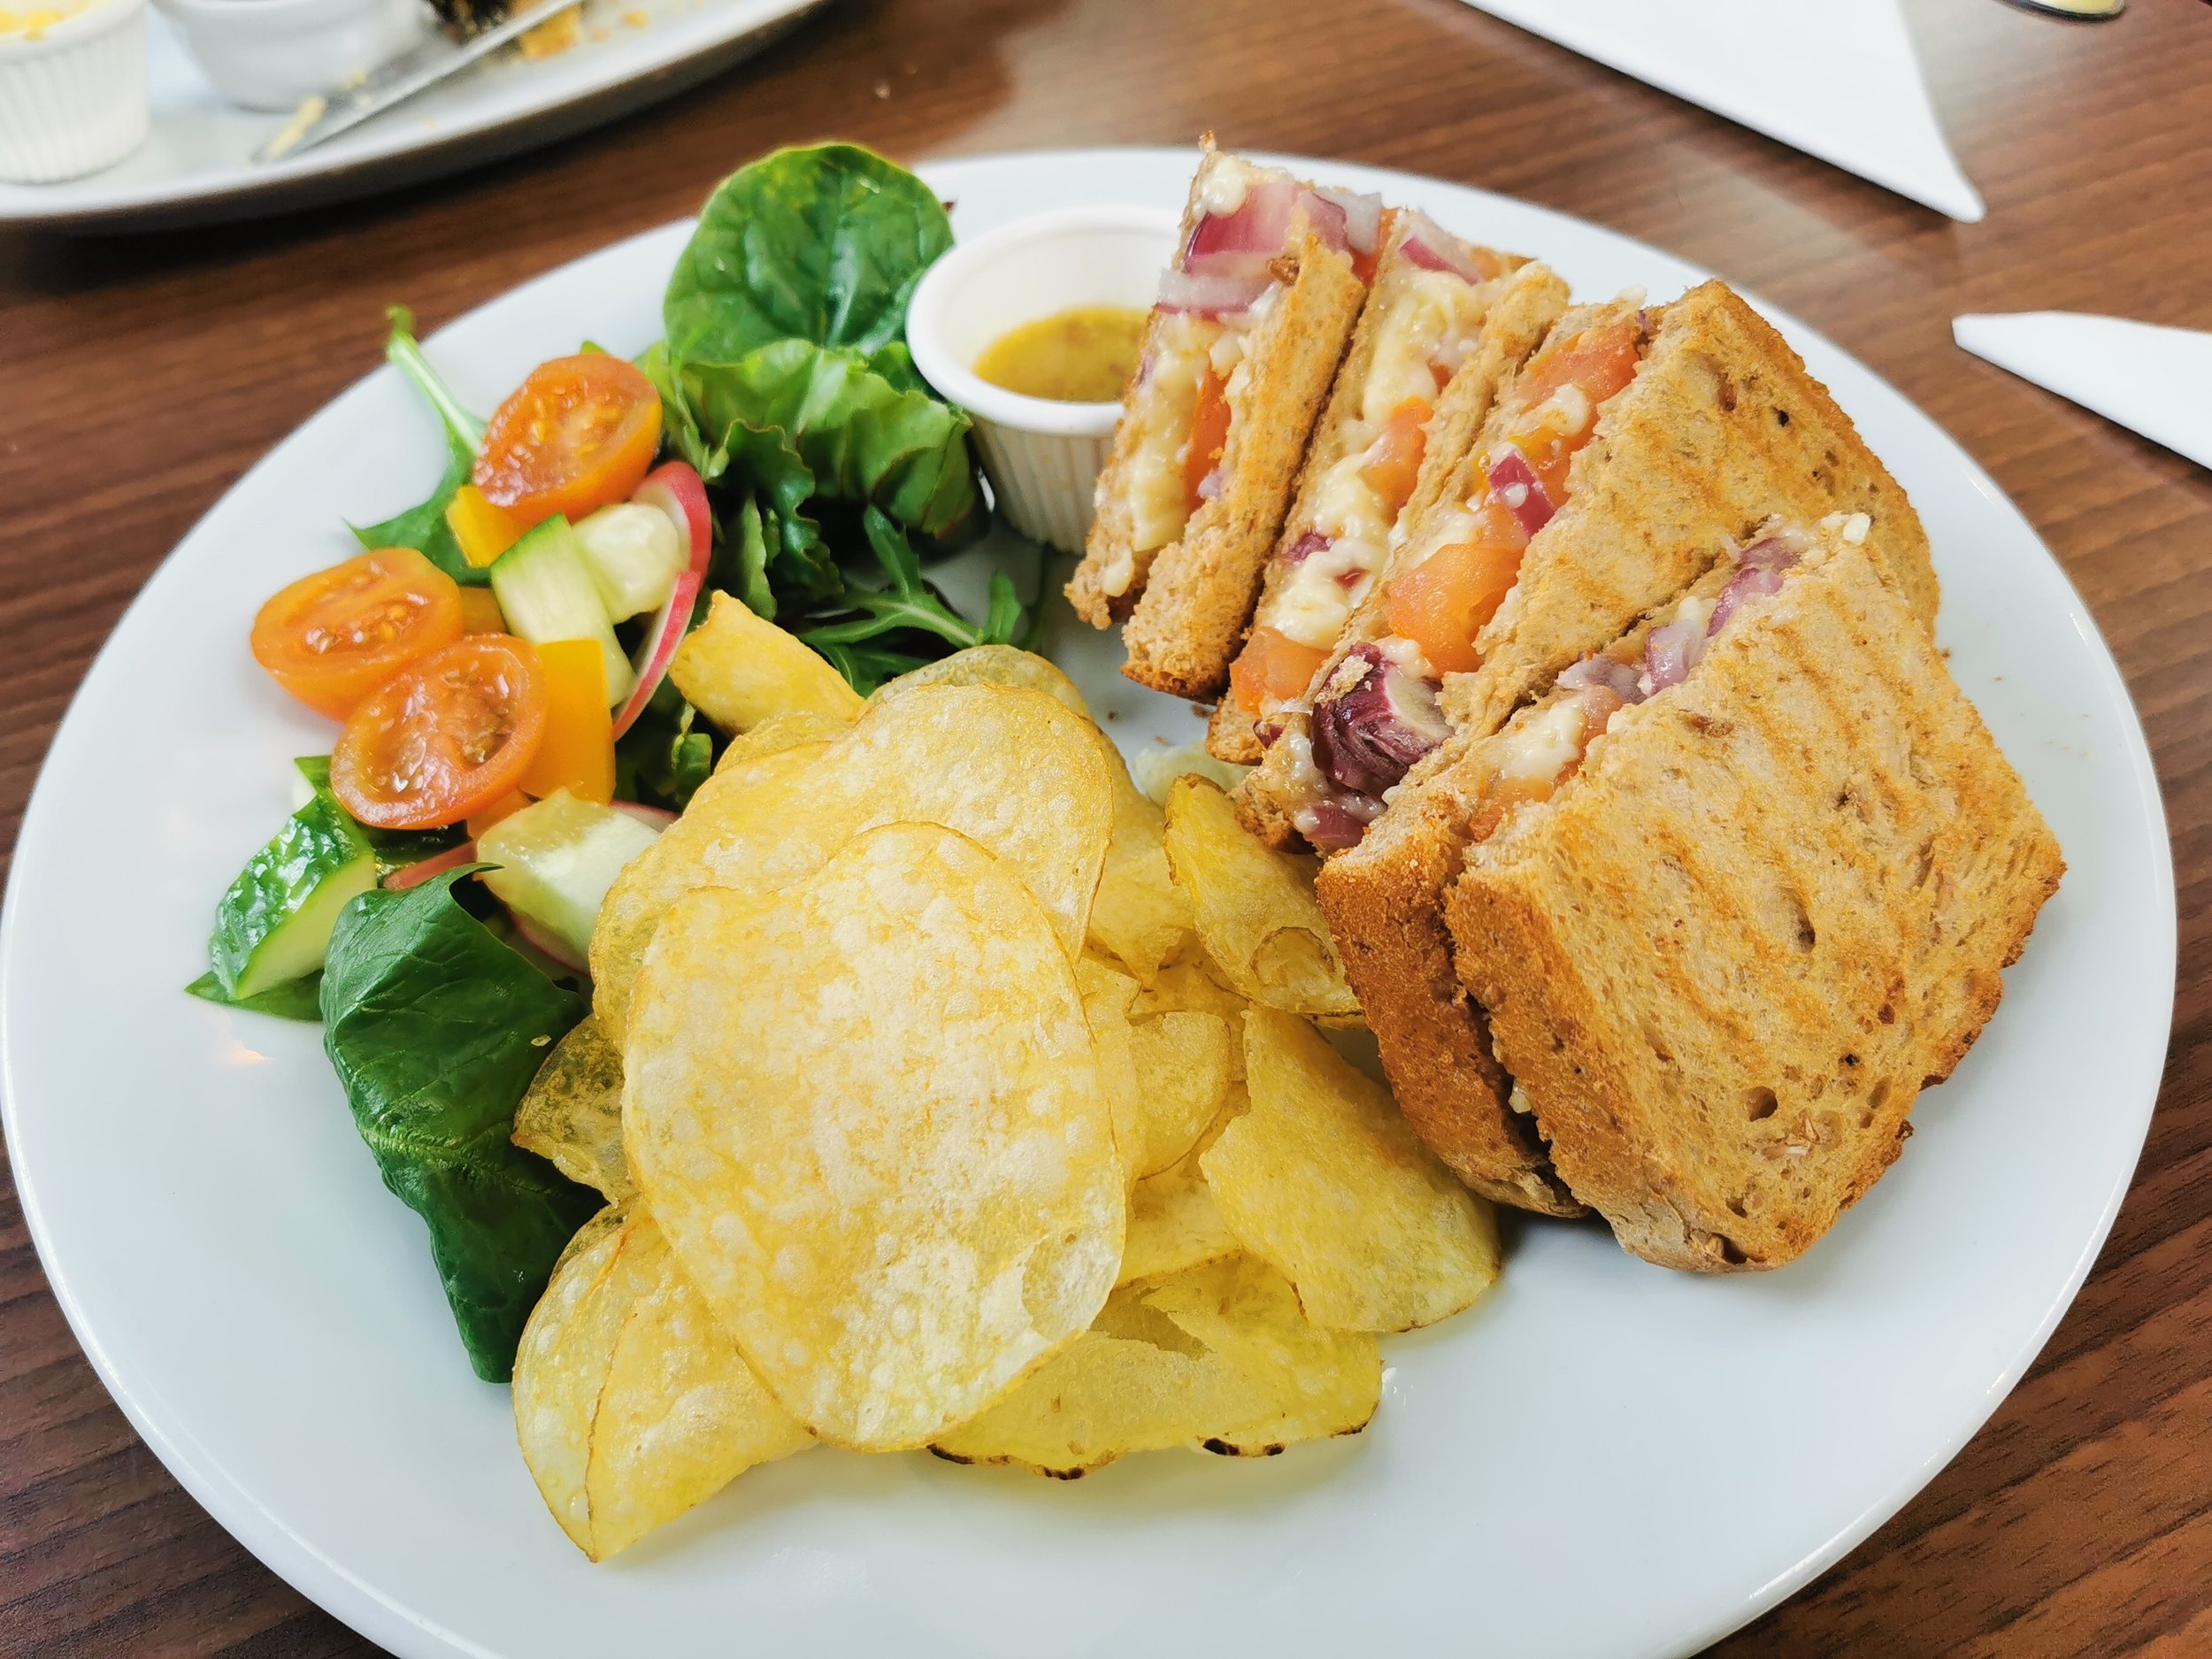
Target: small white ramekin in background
<point x="272" y="54"/>
<point x="72" y="98"/>
<point x="1043" y="457"/>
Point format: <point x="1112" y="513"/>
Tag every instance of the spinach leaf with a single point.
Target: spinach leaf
<point x="435" y="1029"/>
<point x="823" y="245"/>
<point x="860" y="436"/>
<point x="424" y="528"/>
<point x="295" y="999"/>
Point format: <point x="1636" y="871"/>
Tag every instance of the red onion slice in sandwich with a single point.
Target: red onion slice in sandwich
<point x="1607" y="673"/>
<point x="1669" y="655"/>
<point x="1357" y="215"/>
<point x="1335" y="823"/>
<point x="1750" y="582"/>
<point x="1433" y="249"/>
<point x="1771" y="553"/>
<point x="1514" y="482"/>
<point x="1205" y="295"/>
<point x="1368" y="738"/>
<point x="1305" y="547"/>
<point x="1258" y="224"/>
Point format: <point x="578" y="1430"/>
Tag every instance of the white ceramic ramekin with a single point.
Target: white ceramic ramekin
<point x="1042" y="458"/>
<point x="74" y="99"/>
<point x="271" y="54"/>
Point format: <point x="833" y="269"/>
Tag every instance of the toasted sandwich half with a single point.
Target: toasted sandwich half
<point x="1445" y="325"/>
<point x="1637" y="442"/>
<point x="1239" y="353"/>
<point x="1733" y="899"/>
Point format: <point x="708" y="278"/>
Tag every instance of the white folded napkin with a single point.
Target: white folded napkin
<point x="2149" y="379"/>
<point x="1834" y="78"/>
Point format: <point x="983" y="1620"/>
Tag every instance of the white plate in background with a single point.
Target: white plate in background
<point x="193" y="167"/>
<point x="1603" y="1458"/>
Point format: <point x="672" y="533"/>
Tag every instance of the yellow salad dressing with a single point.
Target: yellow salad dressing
<point x="1081" y="355"/>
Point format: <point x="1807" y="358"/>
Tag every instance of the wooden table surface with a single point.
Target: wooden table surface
<point x="140" y="375"/>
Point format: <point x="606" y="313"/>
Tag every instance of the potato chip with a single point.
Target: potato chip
<point x="1323" y="1179"/>
<point x="802" y="728"/>
<point x="1139" y="915"/>
<point x="1254" y="907"/>
<point x="631" y="1404"/>
<point x="681" y="1415"/>
<point x="1217" y="1358"/>
<point x="1174" y="1223"/>
<point x="1106" y="993"/>
<point x="992" y="665"/>
<point x="1300" y="1382"/>
<point x="1157" y="769"/>
<point x="1010" y="769"/>
<point x="1182" y="1066"/>
<point x="866" y="1112"/>
<point x="738" y="670"/>
<point x="572" y="1113"/>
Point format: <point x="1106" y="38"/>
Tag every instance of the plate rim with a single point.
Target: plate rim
<point x="350" y="1599"/>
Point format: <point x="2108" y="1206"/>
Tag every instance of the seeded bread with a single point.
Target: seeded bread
<point x="1461" y="403"/>
<point x="1724" y="958"/>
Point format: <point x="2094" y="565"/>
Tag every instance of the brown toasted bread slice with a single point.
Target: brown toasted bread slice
<point x="1720" y="427"/>
<point x="1773" y="903"/>
<point x="1423" y="320"/>
<point x="1534" y="300"/>
<point x="1279" y="358"/>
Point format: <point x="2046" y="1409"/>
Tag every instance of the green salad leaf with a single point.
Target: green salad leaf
<point x="435" y="1029"/>
<point x="295" y="999"/>
<point x="823" y="245"/>
<point x="424" y="528"/>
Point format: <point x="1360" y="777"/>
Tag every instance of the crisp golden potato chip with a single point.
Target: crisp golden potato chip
<point x="1139" y="915"/>
<point x="680" y="1415"/>
<point x="1173" y="1224"/>
<point x="1323" y="1179"/>
<point x="1302" y="1383"/>
<point x="1254" y="907"/>
<point x="865" y="1110"/>
<point x="1157" y="769"/>
<point x="1010" y="769"/>
<point x="1182" y="1066"/>
<point x="738" y="670"/>
<point x="1106" y="993"/>
<point x="802" y="729"/>
<point x="992" y="665"/>
<point x="631" y="1404"/>
<point x="572" y="1113"/>
<point x="1216" y="1358"/>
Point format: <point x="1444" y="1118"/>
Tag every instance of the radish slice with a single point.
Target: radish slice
<point x="416" y="874"/>
<point x="658" y="818"/>
<point x="1210" y="295"/>
<point x="1514" y="482"/>
<point x="676" y="490"/>
<point x="545" y="942"/>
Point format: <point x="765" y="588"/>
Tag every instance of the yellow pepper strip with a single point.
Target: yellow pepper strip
<point x="578" y="751"/>
<point x="483" y="530"/>
<point x="480" y="612"/>
<point x="505" y="807"/>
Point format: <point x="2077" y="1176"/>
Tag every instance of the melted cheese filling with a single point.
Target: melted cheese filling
<point x="1434" y="316"/>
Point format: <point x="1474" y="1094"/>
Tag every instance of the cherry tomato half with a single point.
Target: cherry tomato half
<point x="332" y="638"/>
<point x="446" y="736"/>
<point x="576" y="436"/>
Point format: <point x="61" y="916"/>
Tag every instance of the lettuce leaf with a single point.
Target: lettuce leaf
<point x="435" y="1028"/>
<point x="823" y="245"/>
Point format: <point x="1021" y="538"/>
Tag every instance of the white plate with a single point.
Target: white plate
<point x="1603" y="1458"/>
<point x="193" y="167"/>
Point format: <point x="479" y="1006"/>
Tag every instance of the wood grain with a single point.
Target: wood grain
<point x="140" y="375"/>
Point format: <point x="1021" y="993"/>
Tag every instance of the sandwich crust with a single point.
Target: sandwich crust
<point x="1773" y="904"/>
<point x="1185" y="627"/>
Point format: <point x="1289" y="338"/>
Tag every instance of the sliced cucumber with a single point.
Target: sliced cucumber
<point x="274" y="926"/>
<point x="635" y="555"/>
<point x="556" y="859"/>
<point x="546" y="591"/>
